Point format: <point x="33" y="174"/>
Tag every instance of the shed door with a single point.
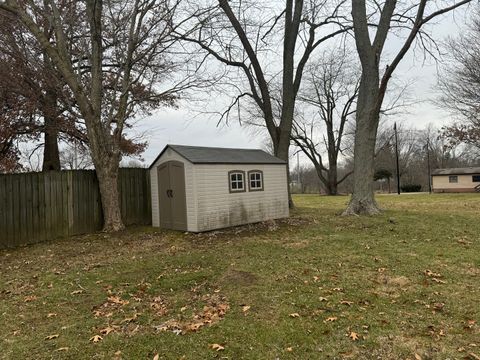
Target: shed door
<point x="172" y="197"/>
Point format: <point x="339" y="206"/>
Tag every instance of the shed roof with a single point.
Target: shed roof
<point x="457" y="171"/>
<point x="216" y="155"/>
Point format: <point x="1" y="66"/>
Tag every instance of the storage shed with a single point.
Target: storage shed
<point x="456" y="180"/>
<point x="204" y="188"/>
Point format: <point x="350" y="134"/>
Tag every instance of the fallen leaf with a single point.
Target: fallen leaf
<point x="130" y="319"/>
<point x="76" y="292"/>
<point x="96" y="338"/>
<point x="156" y="357"/>
<point x="323" y="298"/>
<point x="216" y="347"/>
<point x="51" y="337"/>
<point x="473" y="356"/>
<point x="294" y="315"/>
<point x="353" y="336"/>
<point x="430" y="273"/>
<point x="418" y="357"/>
<point x="107" y="330"/>
<point x="345" y="302"/>
<point x="62" y="349"/>
<point x="51" y="315"/>
<point x="30" y="298"/>
<point x="245" y="308"/>
<point x="194" y="326"/>
<point x="117" y="300"/>
<point x="331" y="319"/>
<point x="289" y="349"/>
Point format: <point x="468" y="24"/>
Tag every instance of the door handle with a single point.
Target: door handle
<point x="169" y="193"/>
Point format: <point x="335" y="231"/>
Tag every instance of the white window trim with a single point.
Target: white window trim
<point x="250" y="173"/>
<point x="230" y="181"/>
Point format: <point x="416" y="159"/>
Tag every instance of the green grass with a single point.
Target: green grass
<point x="307" y="265"/>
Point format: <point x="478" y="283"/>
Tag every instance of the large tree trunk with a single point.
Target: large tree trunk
<point x="281" y="150"/>
<point x="109" y="192"/>
<point x="332" y="188"/>
<point x="363" y="199"/>
<point x="104" y="146"/>
<point x="51" y="154"/>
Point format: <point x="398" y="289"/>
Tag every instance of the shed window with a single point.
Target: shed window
<point x="453" y="179"/>
<point x="476" y="178"/>
<point x="236" y="181"/>
<point x="255" y="178"/>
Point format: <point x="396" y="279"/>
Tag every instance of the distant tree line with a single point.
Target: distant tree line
<point x="416" y="148"/>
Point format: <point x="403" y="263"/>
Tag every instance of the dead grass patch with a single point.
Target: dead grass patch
<point x="239" y="277"/>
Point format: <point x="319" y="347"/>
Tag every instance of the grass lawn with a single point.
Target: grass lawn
<point x="403" y="285"/>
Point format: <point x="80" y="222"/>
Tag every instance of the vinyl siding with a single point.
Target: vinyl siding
<point x="218" y="208"/>
<point x="189" y="188"/>
<point x="441" y="183"/>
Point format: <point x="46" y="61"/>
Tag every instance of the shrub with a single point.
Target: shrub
<point x="411" y="188"/>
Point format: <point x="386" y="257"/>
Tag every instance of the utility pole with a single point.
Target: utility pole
<point x="298" y="172"/>
<point x="428" y="167"/>
<point x="396" y="156"/>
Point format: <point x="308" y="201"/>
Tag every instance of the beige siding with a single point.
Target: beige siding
<point x="440" y="182"/>
<point x="218" y="208"/>
<point x="189" y="188"/>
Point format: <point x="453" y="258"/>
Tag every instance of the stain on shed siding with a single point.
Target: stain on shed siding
<point x="218" y="208"/>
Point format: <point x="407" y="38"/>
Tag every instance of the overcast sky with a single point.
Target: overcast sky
<point x="182" y="126"/>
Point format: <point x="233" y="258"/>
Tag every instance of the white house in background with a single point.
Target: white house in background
<point x="456" y="180"/>
<point x="203" y="188"/>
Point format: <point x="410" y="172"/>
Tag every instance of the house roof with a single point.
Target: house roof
<point x="457" y="171"/>
<point x="216" y="155"/>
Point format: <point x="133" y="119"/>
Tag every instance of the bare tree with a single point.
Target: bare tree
<point x="260" y="33"/>
<point x="75" y="156"/>
<point x="391" y="16"/>
<point x="111" y="64"/>
<point x="460" y="86"/>
<point x="331" y="87"/>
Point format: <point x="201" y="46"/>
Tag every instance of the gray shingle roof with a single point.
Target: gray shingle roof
<point x="215" y="155"/>
<point x="457" y="171"/>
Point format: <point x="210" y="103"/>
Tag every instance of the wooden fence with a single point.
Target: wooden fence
<point x="35" y="207"/>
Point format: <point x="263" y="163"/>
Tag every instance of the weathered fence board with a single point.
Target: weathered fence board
<point x="36" y="207"/>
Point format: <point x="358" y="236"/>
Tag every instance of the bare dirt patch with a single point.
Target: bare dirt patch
<point x="392" y="286"/>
